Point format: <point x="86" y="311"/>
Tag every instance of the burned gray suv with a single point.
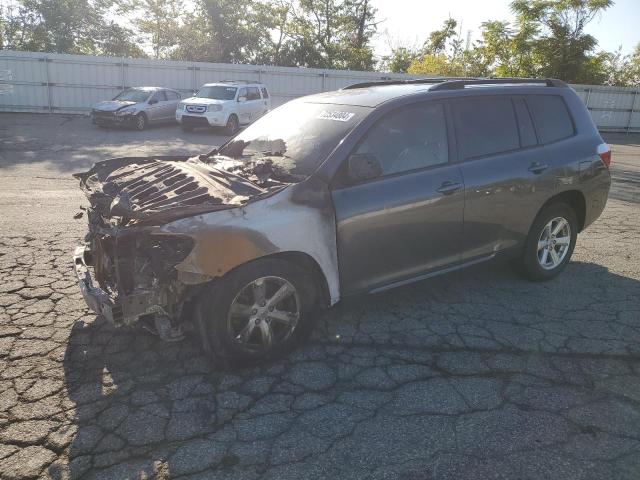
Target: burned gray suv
<point x="341" y="193"/>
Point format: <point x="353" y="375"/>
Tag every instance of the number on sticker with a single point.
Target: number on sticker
<point x="334" y="115"/>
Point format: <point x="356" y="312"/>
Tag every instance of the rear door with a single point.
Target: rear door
<point x="408" y="220"/>
<point x="172" y="103"/>
<point x="254" y="100"/>
<point x="506" y="174"/>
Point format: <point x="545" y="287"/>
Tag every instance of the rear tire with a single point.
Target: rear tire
<point x="233" y="125"/>
<point x="546" y="251"/>
<point x="234" y="321"/>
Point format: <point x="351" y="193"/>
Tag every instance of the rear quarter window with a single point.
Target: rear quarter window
<point x="551" y="117"/>
<point x="485" y="126"/>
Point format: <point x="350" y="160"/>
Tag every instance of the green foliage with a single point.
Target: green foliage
<point x="546" y="39"/>
<point x="64" y="26"/>
<point x="158" y="23"/>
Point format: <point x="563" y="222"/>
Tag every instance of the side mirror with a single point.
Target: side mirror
<point x="153" y="101"/>
<point x="242" y="99"/>
<point x="363" y="166"/>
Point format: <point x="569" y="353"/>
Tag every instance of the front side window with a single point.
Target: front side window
<point x="408" y="139"/>
<point x="551" y="117"/>
<point x="485" y="126"/>
<point x="159" y="96"/>
<point x="217" y="92"/>
<point x="243" y="93"/>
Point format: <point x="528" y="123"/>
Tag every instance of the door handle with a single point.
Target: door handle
<point x="447" y="188"/>
<point x="537" y="168"/>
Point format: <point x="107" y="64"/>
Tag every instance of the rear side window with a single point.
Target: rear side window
<point x="265" y="94"/>
<point x="253" y="93"/>
<point x="485" y="126"/>
<point x="408" y="139"/>
<point x="525" y="125"/>
<point x="551" y="117"/>
<point x="172" y="95"/>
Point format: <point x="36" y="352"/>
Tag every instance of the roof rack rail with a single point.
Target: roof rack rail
<point x="236" y="81"/>
<point x="401" y="81"/>
<point x="461" y="83"/>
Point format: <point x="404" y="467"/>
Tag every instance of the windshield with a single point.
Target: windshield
<point x="217" y="92"/>
<point x="137" y="96"/>
<point x="296" y="137"/>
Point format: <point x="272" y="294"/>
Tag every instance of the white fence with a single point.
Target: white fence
<point x="43" y="82"/>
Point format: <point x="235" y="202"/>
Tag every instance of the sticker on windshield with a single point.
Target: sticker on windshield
<point x="337" y="116"/>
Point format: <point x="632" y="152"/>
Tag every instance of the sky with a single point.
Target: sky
<point x="408" y="22"/>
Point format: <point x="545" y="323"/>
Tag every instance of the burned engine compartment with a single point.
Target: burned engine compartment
<point x="155" y="190"/>
<point x="130" y="258"/>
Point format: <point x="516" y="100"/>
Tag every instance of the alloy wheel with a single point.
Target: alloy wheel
<point x="554" y="243"/>
<point x="264" y="314"/>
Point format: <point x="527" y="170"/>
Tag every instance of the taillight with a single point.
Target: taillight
<point x="605" y="154"/>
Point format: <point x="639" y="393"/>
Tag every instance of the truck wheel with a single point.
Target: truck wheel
<point x="233" y="125"/>
<point x="550" y="243"/>
<point x="260" y="310"/>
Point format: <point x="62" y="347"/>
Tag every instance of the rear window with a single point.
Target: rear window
<point x="485" y="126"/>
<point x="551" y="117"/>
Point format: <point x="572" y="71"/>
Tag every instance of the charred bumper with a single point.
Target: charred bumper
<point x="123" y="311"/>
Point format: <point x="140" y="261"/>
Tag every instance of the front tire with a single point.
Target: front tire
<point x="550" y="243"/>
<point x="140" y="122"/>
<point x="259" y="311"/>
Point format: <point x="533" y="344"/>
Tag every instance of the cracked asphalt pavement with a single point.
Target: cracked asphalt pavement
<point x="478" y="374"/>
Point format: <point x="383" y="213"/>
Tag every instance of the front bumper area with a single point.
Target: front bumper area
<point x="209" y="119"/>
<point x="123" y="311"/>
<point x="111" y="119"/>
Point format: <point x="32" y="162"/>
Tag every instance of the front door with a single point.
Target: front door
<point x="244" y="106"/>
<point x="408" y="220"/>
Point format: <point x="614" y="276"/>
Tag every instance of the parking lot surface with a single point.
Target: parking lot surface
<point x="478" y="374"/>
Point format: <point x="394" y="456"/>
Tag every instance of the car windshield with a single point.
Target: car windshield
<point x="217" y="92"/>
<point x="296" y="137"/>
<point x="133" y="96"/>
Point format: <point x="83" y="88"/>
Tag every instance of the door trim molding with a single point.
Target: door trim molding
<point x="433" y="273"/>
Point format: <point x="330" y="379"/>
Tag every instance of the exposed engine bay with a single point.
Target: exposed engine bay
<point x="126" y="253"/>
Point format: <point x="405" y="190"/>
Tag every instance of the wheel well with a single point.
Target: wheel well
<point x="575" y="199"/>
<point x="307" y="263"/>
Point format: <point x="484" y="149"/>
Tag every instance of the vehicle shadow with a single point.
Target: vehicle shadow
<point x="70" y="143"/>
<point x="148" y="409"/>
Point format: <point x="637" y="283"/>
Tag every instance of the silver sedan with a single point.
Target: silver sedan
<point x="138" y="107"/>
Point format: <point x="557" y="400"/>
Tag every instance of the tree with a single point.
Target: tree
<point x="159" y="21"/>
<point x="563" y="48"/>
<point x="399" y="61"/>
<point x="64" y="26"/>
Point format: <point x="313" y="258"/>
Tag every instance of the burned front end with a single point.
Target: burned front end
<point x="126" y="268"/>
